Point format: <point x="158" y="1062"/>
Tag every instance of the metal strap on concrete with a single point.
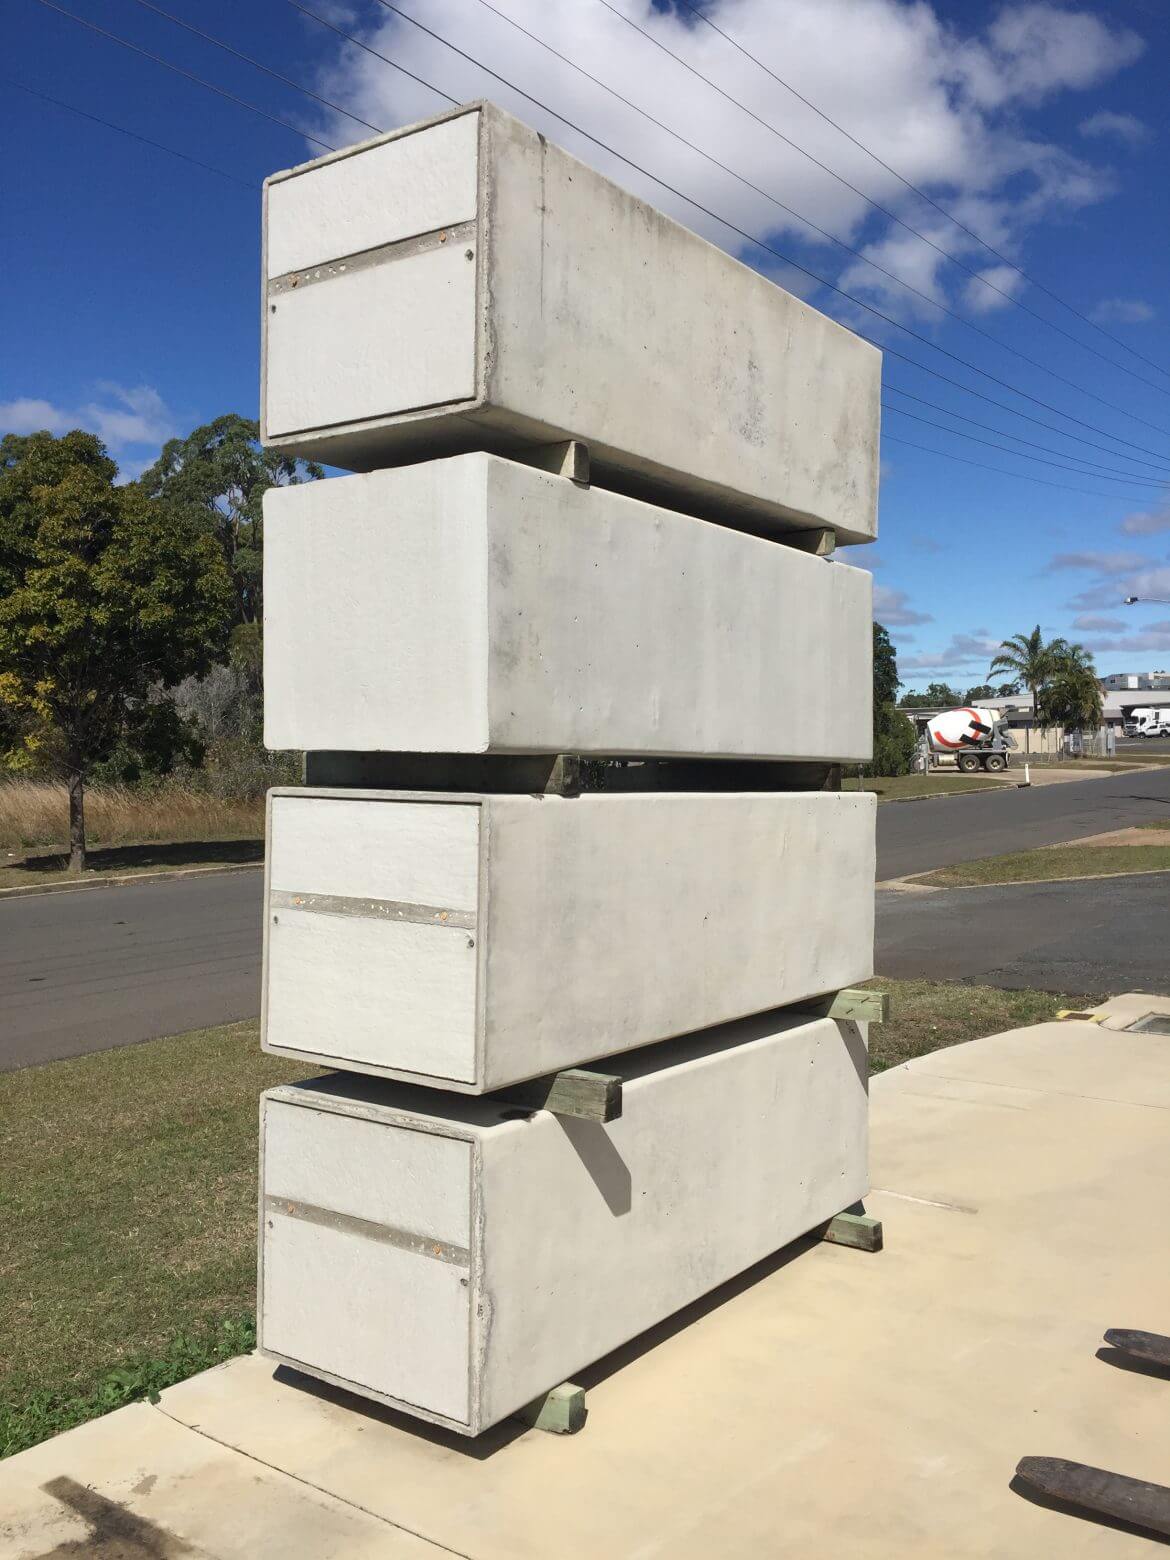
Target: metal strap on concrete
<point x="386" y="1234"/>
<point x="366" y="259"/>
<point x="372" y="909"/>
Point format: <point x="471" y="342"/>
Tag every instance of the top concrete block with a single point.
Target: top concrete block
<point x="462" y="284"/>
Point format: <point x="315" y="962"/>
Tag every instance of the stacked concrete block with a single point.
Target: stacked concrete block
<point x="604" y="463"/>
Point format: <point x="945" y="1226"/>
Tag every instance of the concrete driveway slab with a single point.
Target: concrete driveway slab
<point x="139" y="1486"/>
<point x="827" y="1403"/>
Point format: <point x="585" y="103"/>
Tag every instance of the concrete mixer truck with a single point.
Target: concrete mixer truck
<point x="970" y="737"/>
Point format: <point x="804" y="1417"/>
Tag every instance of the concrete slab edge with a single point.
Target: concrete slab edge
<point x="124" y="879"/>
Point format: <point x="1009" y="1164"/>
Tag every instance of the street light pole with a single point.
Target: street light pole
<point x="1147" y="601"/>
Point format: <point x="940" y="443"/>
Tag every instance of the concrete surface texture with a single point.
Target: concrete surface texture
<point x="828" y="1403"/>
<point x="464" y="284"/>
<point x="473" y="941"/>
<point x="477" y="605"/>
<point x="1092" y="936"/>
<point x="513" y="1248"/>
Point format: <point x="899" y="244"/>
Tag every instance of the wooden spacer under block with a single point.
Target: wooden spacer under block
<point x="820" y="542"/>
<point x="568" y="459"/>
<point x="868" y="1007"/>
<point x="560" y="1412"/>
<point x="593" y="1096"/>
<point x="854" y="1229"/>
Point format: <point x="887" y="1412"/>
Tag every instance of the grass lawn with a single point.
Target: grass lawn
<point x="128" y="1202"/>
<point x="909" y="787"/>
<point x="1051" y="862"/>
<point x="129" y="860"/>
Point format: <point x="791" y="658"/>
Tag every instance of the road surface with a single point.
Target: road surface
<point x="85" y="970"/>
<point x="99" y="967"/>
<point x="1086" y="939"/>
<point x="917" y="836"/>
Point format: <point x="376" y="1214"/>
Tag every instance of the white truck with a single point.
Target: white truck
<point x="974" y="738"/>
<point x="1150" y="720"/>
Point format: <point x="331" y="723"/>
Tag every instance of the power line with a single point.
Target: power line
<point x="910" y="185"/>
<point x="759" y="242"/>
<point x="858" y="254"/>
<point x="148" y="5"/>
<point x="1003" y="432"/>
<point x="385" y="58"/>
<point x="877" y="205"/>
<point x="179" y="71"/>
<point x="1003" y="406"/>
<point x="1020" y="476"/>
<point x="109" y="124"/>
<point x="1019" y="454"/>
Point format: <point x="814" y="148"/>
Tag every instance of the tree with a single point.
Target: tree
<point x="1071" y="697"/>
<point x="1030" y="659"/>
<point x="105" y="593"/>
<point x="980" y="692"/>
<point x="221" y="473"/>
<point x="937" y="696"/>
<point x="894" y="737"/>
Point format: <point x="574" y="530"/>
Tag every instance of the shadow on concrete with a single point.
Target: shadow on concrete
<point x="607" y="1169"/>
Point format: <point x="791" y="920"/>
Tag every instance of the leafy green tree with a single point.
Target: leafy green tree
<point x="1071" y="697"/>
<point x="105" y="594"/>
<point x="938" y="695"/>
<point x="977" y="694"/>
<point x="221" y="472"/>
<point x="1030" y="660"/>
<point x="894" y="737"/>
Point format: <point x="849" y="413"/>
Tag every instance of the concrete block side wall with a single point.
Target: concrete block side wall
<point x="643" y="917"/>
<point x="479" y="605"/>
<point x="752" y="394"/>
<point x="593" y="1233"/>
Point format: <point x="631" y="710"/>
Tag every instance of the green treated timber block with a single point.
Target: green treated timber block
<point x="592" y="1096"/>
<point x="855" y="1229"/>
<point x="560" y="1412"/>
<point x="868" y="1007"/>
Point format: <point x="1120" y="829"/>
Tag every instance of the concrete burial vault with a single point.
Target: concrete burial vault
<point x="477" y="605"/>
<point x="463" y="284"/>
<point x="456" y="1257"/>
<point x="472" y="941"/>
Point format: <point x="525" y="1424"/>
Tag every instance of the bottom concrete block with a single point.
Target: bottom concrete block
<point x="456" y="1258"/>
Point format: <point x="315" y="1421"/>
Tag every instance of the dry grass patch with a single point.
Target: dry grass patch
<point x="34" y="814"/>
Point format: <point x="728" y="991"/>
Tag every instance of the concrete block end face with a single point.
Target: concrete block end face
<point x="462" y="273"/>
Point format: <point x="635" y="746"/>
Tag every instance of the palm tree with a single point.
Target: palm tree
<point x="1027" y="658"/>
<point x="1071" y="696"/>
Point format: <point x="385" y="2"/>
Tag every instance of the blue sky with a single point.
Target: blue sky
<point x="131" y="278"/>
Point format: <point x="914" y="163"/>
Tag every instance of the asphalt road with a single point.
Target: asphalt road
<point x="1088" y="940"/>
<point x="916" y="836"/>
<point x="86" y="970"/>
<point x="100" y="967"/>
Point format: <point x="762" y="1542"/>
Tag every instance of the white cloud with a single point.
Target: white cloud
<point x="964" y="651"/>
<point x="1122" y="311"/>
<point x="1099" y="562"/>
<point x="1122" y="127"/>
<point x="986" y="292"/>
<point x="1112" y="591"/>
<point x="1147" y="522"/>
<point x="1089" y="622"/>
<point x="1152" y="637"/>
<point x="957" y="132"/>
<point x="890" y="607"/>
<point x="125" y="418"/>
